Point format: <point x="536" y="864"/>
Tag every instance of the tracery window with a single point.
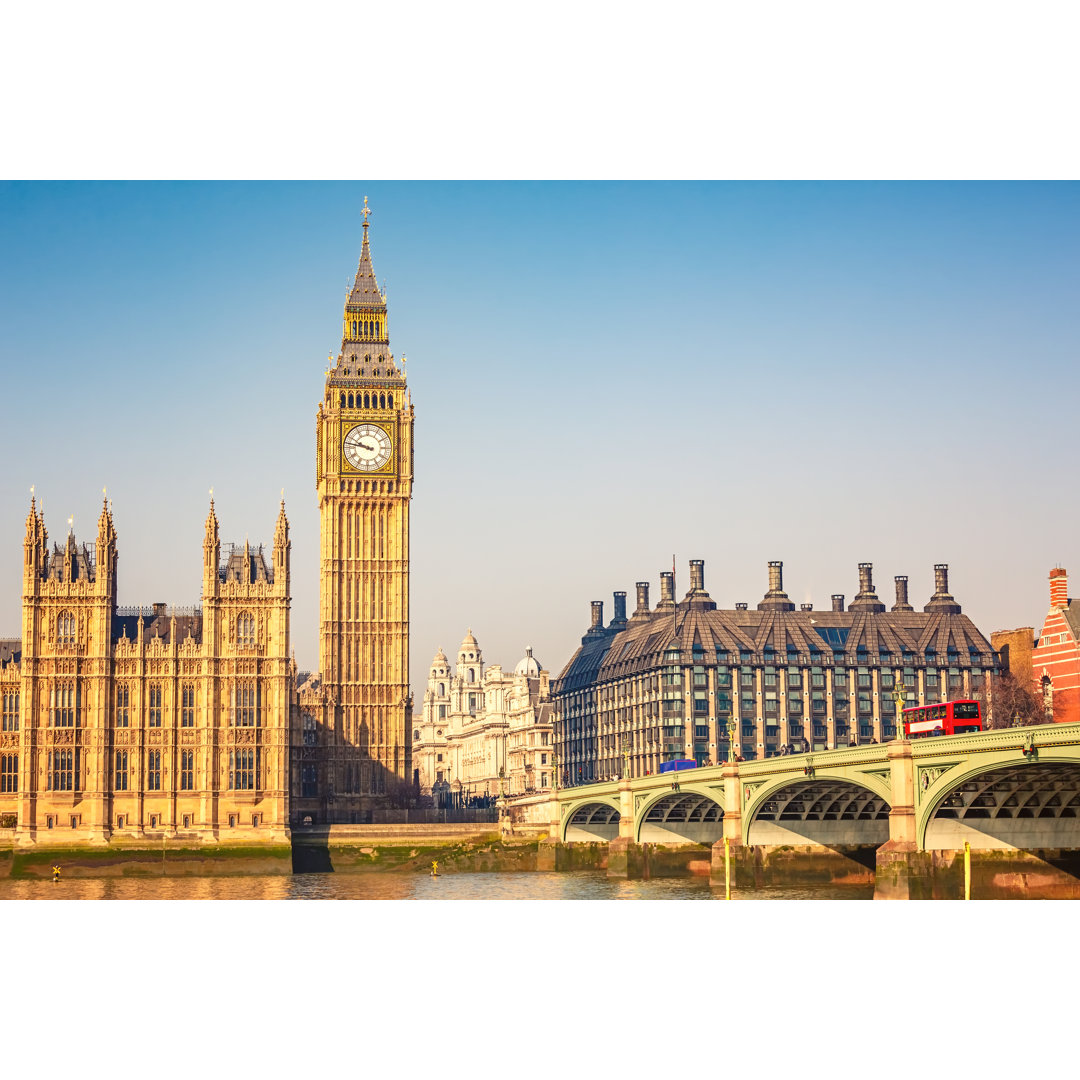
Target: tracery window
<point x="123" y="705"/>
<point x="9" y="773"/>
<point x="243" y="770"/>
<point x="153" y="770"/>
<point x="246" y="705"/>
<point x="63" y="705"/>
<point x="121" y="783"/>
<point x="65" y="628"/>
<point x="187" y="706"/>
<point x="245" y="630"/>
<point x="11" y="711"/>
<point x="187" y="770"/>
<point x="153" y="715"/>
<point x="62" y="767"/>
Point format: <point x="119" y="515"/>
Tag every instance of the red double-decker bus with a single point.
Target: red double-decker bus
<point x="951" y="718"/>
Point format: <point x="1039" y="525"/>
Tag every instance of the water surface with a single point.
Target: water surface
<point x="574" y="885"/>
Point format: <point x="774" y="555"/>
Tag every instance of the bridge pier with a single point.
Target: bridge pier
<point x="732" y="804"/>
<point x="626" y="859"/>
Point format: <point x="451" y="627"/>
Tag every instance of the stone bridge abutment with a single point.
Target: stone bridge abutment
<point x="897" y="813"/>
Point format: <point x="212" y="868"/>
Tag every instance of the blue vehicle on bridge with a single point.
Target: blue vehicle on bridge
<point x="679" y="763"/>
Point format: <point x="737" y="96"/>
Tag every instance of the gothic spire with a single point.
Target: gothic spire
<point x="365" y="294"/>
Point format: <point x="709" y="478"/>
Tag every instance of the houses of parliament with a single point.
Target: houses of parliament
<point x="150" y="723"/>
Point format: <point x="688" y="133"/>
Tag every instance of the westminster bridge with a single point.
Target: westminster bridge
<point x="896" y="813"/>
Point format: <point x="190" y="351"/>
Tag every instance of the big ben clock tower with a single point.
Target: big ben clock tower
<point x="364" y="438"/>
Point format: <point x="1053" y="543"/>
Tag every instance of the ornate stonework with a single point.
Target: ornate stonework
<point x="118" y="722"/>
<point x="353" y="715"/>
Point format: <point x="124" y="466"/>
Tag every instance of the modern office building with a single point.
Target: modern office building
<point x="675" y="681"/>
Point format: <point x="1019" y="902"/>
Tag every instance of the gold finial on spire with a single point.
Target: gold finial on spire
<point x="365" y="211"/>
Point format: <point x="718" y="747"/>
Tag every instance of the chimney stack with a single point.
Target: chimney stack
<point x="642" y="598"/>
<point x="776" y="576"/>
<point x="901" y="594"/>
<point x="597" y="615"/>
<point x="740" y="607"/>
<point x="866" y="599"/>
<point x="838" y="601"/>
<point x="619" y="620"/>
<point x="776" y="599"/>
<point x="806" y="607"/>
<point x="1059" y="588"/>
<point x="942" y="600"/>
<point x="697" y="575"/>
<point x="667" y="589"/>
<point x="941" y="578"/>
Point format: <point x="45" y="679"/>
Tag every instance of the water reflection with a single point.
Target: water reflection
<point x="582" y="885"/>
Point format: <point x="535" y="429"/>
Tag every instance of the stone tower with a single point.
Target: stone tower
<point x="364" y="433"/>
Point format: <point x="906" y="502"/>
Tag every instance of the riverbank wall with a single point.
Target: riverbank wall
<point x="457" y="848"/>
<point x="482" y="847"/>
<point x="133" y="860"/>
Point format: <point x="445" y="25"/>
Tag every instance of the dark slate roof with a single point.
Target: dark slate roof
<point x="365" y="294"/>
<point x="10" y="649"/>
<point x="248" y="565"/>
<point x="158" y="626"/>
<point x="861" y="635"/>
<point x="77" y="558"/>
<point x="366" y="356"/>
<point x="1072" y="617"/>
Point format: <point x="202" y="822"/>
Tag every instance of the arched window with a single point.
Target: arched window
<point x="389" y="401"/>
<point x="472" y="675"/>
<point x="382" y="401"/>
<point x="65" y="628"/>
<point x="343" y="401"/>
<point x="442" y="689"/>
<point x="367" y="401"/>
<point x="350" y="401"/>
<point x="245" y="630"/>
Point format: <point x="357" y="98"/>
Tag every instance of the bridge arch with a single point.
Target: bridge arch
<point x="591" y="820"/>
<point x="833" y="811"/>
<point x="691" y="815"/>
<point x="1004" y="804"/>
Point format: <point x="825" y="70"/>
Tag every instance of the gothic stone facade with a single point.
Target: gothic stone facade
<point x="672" y="682"/>
<point x="134" y="724"/>
<point x="351" y="746"/>
<point x="483" y="731"/>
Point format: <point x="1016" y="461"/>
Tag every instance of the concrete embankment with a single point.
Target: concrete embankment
<point x="456" y="848"/>
<point x="996" y="874"/>
<point x="122" y="860"/>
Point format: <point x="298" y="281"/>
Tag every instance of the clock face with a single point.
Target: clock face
<point x="367" y="447"/>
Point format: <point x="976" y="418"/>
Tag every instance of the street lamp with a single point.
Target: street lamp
<point x="732" y="727"/>
<point x="899" y="696"/>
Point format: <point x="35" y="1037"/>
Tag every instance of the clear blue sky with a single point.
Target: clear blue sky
<point x="603" y="374"/>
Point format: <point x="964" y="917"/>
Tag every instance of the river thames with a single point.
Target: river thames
<point x="574" y="885"/>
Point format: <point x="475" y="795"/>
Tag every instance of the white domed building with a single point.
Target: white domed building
<point x="483" y="732"/>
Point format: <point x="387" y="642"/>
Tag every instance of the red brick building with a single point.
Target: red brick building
<point x="1055" y="660"/>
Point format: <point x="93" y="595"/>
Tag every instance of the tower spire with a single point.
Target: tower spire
<point x="364" y="326"/>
